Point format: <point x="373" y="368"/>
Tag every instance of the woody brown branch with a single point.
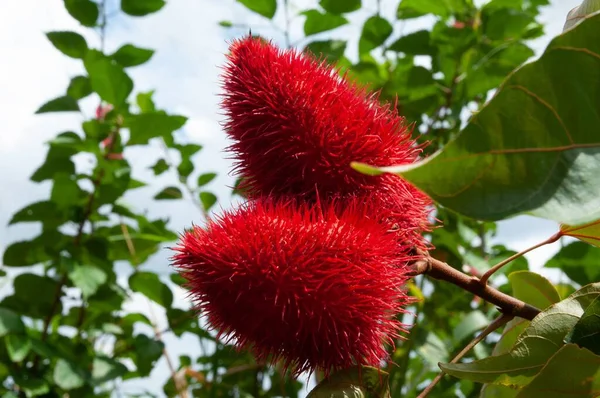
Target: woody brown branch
<point x="506" y="304"/>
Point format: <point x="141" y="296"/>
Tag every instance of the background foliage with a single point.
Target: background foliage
<point x="64" y="327"/>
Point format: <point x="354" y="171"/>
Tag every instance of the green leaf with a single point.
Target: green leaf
<point x="130" y="55"/>
<point x="571" y="372"/>
<point x="354" y="382"/>
<point x="140" y="8"/>
<point x="105" y="369"/>
<point x="108" y="79"/>
<point x="147" y="351"/>
<point x="33" y="387"/>
<point x="149" y="125"/>
<point x="160" y="167"/>
<point x="532" y="147"/>
<point x="534" y="290"/>
<point x="85" y="11"/>
<point x="471" y="323"/>
<point x="340" y="6"/>
<point x="374" y="33"/>
<point x="169" y="193"/>
<point x="226" y="24"/>
<point x="10" y="322"/>
<point x="145" y="102"/>
<point x="542" y="338"/>
<point x="79" y="87"/>
<point x="18" y="346"/>
<point x="178" y="279"/>
<point x="317" y="22"/>
<point x="416" y="8"/>
<point x="46" y="212"/>
<point x="506" y="24"/>
<point x="579" y="261"/>
<point x="150" y="286"/>
<point x="589" y="233"/>
<point x="69" y="43"/>
<point x="208" y="199"/>
<point x="65" y="191"/>
<point x="37" y="250"/>
<point x="333" y="50"/>
<point x="60" y="104"/>
<point x="67" y="376"/>
<point x="88" y="278"/>
<point x="416" y="43"/>
<point x="205" y="178"/>
<point x="37" y="305"/>
<point x="185" y="168"/>
<point x="586" y="333"/>
<point x="266" y="8"/>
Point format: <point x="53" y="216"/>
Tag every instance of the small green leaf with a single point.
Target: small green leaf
<point x="416" y="43"/>
<point x="178" y="279"/>
<point x="205" y="178"/>
<point x="140" y="8"/>
<point x="67" y="376"/>
<point x="149" y="125"/>
<point x="589" y="233"/>
<point x="145" y="102"/>
<point x="208" y="199"/>
<point x="416" y="8"/>
<point x="18" y="346"/>
<point x="579" y="261"/>
<point x="571" y="372"/>
<point x="150" y="286"/>
<point x="85" y="11"/>
<point x="266" y="8"/>
<point x="471" y="323"/>
<point x="340" y="6"/>
<point x="130" y="55"/>
<point x="225" y="24"/>
<point x="355" y="382"/>
<point x="169" y="193"/>
<point x="60" y="104"/>
<point x="45" y="212"/>
<point x="185" y="168"/>
<point x="65" y="191"/>
<point x="105" y="369"/>
<point x="69" y="43"/>
<point x="88" y="278"/>
<point x="374" y="33"/>
<point x="108" y="78"/>
<point x="79" y="87"/>
<point x="317" y="22"/>
<point x="586" y="333"/>
<point x="160" y="167"/>
<point x="10" y="322"/>
<point x="333" y="50"/>
<point x="33" y="387"/>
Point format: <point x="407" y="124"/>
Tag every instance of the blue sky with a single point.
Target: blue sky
<point x="189" y="46"/>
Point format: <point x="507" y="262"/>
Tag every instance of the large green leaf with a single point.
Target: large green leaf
<point x="534" y="147"/>
<point x="586" y="332"/>
<point x="67" y="376"/>
<point x="317" y="22"/>
<point x="266" y="8"/>
<point x="85" y="11"/>
<point x="140" y="8"/>
<point x="150" y="286"/>
<point x="355" y="382"/>
<point x="416" y="43"/>
<point x="108" y="78"/>
<point x="69" y="43"/>
<point x="589" y="232"/>
<point x="571" y="372"/>
<point x="540" y="340"/>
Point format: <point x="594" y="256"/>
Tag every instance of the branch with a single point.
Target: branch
<point x="501" y="264"/>
<point x="498" y="322"/>
<point x="507" y="304"/>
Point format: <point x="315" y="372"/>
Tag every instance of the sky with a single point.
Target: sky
<point x="184" y="73"/>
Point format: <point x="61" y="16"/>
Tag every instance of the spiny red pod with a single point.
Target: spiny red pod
<point x="310" y="286"/>
<point x="296" y="126"/>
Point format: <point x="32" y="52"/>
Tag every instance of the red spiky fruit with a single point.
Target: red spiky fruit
<point x="296" y="126"/>
<point x="312" y="287"/>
